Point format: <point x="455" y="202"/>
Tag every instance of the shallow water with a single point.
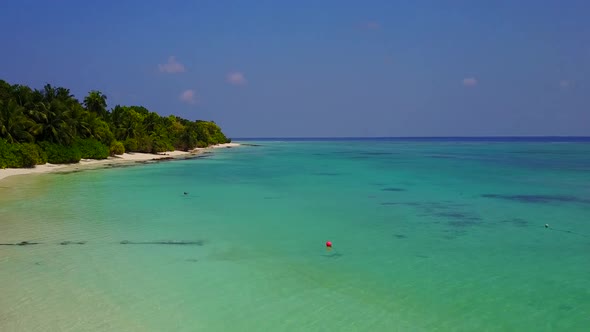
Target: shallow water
<point x="427" y="235"/>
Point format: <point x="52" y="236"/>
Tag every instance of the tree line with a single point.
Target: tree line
<point x="51" y="125"/>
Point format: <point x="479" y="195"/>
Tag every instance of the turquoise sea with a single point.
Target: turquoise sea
<point x="428" y="235"/>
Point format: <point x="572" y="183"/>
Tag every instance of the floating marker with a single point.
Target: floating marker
<point x="329" y="244"/>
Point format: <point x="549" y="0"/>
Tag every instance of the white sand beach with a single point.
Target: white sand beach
<point x="120" y="159"/>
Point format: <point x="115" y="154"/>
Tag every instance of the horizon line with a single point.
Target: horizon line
<point x="341" y="137"/>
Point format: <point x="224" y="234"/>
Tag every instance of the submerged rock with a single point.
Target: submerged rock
<point x="516" y="222"/>
<point x="23" y="243"/>
<point x="376" y="153"/>
<point x="333" y="255"/>
<point x="327" y="174"/>
<point x="459" y="219"/>
<point x="65" y="243"/>
<point x="393" y="189"/>
<point x="538" y="198"/>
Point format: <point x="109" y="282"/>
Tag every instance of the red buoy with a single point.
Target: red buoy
<point x="329" y="244"/>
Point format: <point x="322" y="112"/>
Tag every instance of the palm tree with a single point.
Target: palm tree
<point x="48" y="93"/>
<point x="96" y="102"/>
<point x="152" y="122"/>
<point x="15" y="126"/>
<point x="92" y="126"/>
<point x="55" y="123"/>
<point x="62" y="94"/>
<point x="22" y="94"/>
<point x="129" y="124"/>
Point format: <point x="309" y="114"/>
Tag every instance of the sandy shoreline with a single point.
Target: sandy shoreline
<point x="126" y="158"/>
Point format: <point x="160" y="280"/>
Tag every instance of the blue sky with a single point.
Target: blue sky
<point x="317" y="68"/>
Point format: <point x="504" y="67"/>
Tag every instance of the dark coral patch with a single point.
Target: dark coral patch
<point x="516" y="222"/>
<point x="22" y="243"/>
<point x="65" y="243"/>
<point x="393" y="189"/>
<point x="539" y="198"/>
<point x="197" y="243"/>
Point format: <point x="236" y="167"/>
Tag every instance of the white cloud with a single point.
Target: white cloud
<point x="172" y="66"/>
<point x="370" y="25"/>
<point x="373" y="25"/>
<point x="189" y="97"/>
<point x="564" y="84"/>
<point x="469" y="81"/>
<point x="236" y="78"/>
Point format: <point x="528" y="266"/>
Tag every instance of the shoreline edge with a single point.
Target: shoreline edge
<point x="124" y="159"/>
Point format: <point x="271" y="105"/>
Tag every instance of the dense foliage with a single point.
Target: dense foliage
<point x="50" y="125"/>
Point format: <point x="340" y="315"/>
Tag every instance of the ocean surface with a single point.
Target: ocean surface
<point x="428" y="235"/>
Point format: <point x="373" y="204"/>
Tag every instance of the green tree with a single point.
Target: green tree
<point x="14" y="125"/>
<point x="51" y="124"/>
<point x="96" y="102"/>
<point x="56" y="122"/>
<point x="131" y="125"/>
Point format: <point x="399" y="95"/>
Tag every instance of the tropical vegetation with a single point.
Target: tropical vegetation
<point x="51" y="125"/>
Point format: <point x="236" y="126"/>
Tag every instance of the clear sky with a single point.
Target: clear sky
<point x="317" y="68"/>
